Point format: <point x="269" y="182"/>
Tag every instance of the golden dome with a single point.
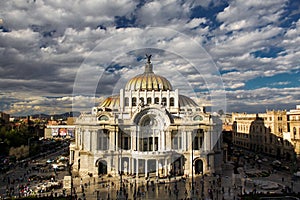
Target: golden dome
<point x="111" y="102"/>
<point x="148" y="81"/>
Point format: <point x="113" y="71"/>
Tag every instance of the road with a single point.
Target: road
<point x="20" y="180"/>
<point x="218" y="187"/>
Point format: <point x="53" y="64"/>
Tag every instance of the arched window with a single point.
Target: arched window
<point x="198" y="118"/>
<point x="142" y="100"/>
<point x="172" y="101"/>
<point x="103" y="118"/>
<point x="156" y="100"/>
<point x="134" y="101"/>
<point x="164" y="101"/>
<point x="149" y="100"/>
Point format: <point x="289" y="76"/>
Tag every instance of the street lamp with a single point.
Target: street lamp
<point x="193" y="196"/>
<point x="28" y="143"/>
<point x="121" y="194"/>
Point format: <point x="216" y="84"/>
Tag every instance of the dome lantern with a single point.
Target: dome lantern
<point x="148" y="66"/>
<point x="148" y="80"/>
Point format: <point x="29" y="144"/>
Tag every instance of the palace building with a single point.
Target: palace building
<point x="148" y="129"/>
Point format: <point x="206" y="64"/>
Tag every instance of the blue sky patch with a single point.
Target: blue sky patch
<point x="269" y="52"/>
<point x="278" y="81"/>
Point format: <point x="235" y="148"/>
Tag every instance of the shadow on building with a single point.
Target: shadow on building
<point x="256" y="136"/>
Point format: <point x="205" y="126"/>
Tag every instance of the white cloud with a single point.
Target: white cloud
<point x="45" y="43"/>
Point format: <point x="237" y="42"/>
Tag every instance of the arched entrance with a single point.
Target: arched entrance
<point x="198" y="166"/>
<point x="102" y="167"/>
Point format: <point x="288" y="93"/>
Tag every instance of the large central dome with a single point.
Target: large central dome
<point x="148" y="81"/>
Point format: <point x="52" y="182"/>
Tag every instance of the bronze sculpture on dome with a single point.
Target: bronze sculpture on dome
<point x="148" y="57"/>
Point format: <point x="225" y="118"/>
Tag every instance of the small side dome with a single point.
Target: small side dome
<point x="185" y="101"/>
<point x="111" y="102"/>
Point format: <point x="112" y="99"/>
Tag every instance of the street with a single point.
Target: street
<point x="30" y="179"/>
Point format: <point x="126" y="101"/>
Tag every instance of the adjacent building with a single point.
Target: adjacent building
<point x="148" y="129"/>
<point x="293" y="125"/>
<point x="4" y="117"/>
<point x="57" y="130"/>
<point x="263" y="132"/>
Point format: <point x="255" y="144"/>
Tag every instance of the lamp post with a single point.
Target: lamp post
<point x="28" y="143"/>
<point x="70" y="172"/>
<point x="121" y="194"/>
<point x="193" y="196"/>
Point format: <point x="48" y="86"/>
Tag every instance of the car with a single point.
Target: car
<point x="259" y="161"/>
<point x="276" y="163"/>
<point x="49" y="161"/>
<point x="285" y="167"/>
<point x="61" y="167"/>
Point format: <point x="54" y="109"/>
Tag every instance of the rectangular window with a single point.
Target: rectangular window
<point x="103" y="140"/>
<point x="196" y="144"/>
<point x="126" y="101"/>
<point x="172" y="101"/>
<point x="156" y="144"/>
<point x="175" y="142"/>
<point x="134" y="101"/>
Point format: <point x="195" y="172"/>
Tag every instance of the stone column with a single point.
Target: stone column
<point x="131" y="140"/>
<point x="157" y="168"/>
<point x="146" y="167"/>
<point x="138" y="138"/>
<point x="129" y="166"/>
<point x="190" y="140"/>
<point x="176" y="99"/>
<point x="87" y="143"/>
<point x="166" y="167"/>
<point x="130" y="99"/>
<point x="132" y="166"/>
<point x="207" y="140"/>
<point x="120" y="164"/>
<point x="112" y="136"/>
<point x="168" y="99"/>
<point x="116" y="139"/>
<point x="137" y="168"/>
<point x="94" y="140"/>
<point x="153" y="96"/>
<point x="168" y="140"/>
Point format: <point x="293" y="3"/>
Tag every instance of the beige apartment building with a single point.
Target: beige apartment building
<point x="263" y="132"/>
<point x="293" y="125"/>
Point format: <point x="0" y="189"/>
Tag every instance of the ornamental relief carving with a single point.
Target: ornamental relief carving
<point x="152" y="117"/>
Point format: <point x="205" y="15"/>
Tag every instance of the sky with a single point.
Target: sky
<point x="239" y="56"/>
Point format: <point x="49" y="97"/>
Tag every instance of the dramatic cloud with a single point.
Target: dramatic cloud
<point x="55" y="53"/>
